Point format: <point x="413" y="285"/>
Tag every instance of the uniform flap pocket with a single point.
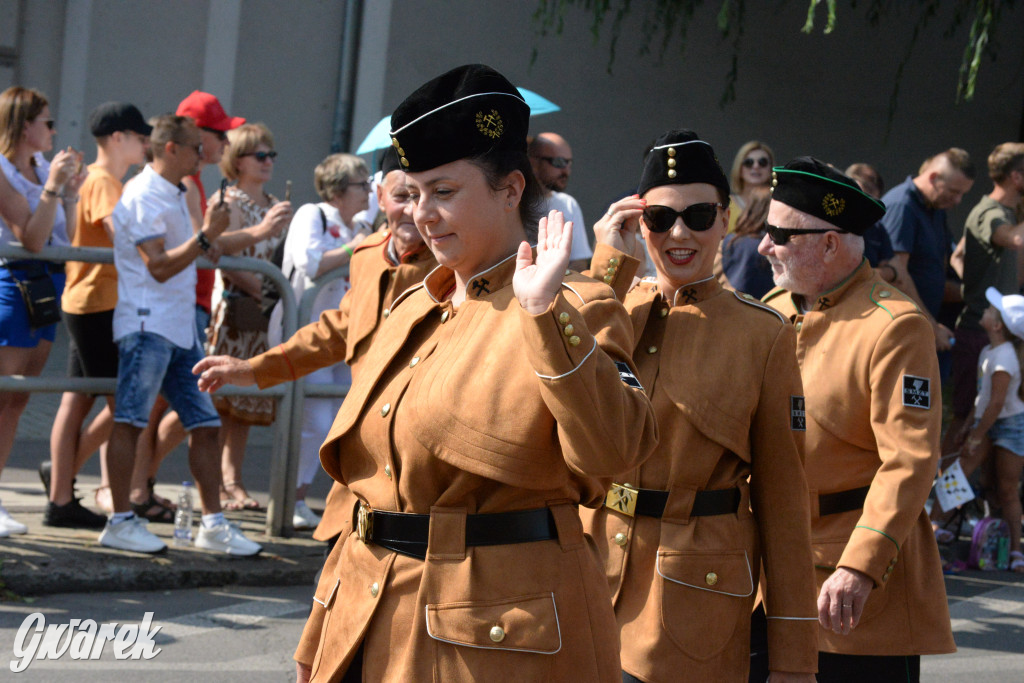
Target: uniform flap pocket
<point x="324" y="595"/>
<point x="523" y="624"/>
<point x="719" y="571"/>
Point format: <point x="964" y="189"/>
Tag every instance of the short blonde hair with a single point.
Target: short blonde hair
<point x="334" y="174"/>
<point x="1004" y="160"/>
<point x="242" y="141"/>
<point x="736" y="176"/>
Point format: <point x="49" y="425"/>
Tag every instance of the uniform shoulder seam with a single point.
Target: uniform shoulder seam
<point x="751" y="301"/>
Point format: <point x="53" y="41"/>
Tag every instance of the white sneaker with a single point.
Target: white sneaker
<point x="131" y="534"/>
<point x="304" y="518"/>
<point x="226" y="538"/>
<point x="9" y="524"/>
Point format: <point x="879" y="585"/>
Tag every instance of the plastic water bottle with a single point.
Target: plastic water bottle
<point x="183" y="516"/>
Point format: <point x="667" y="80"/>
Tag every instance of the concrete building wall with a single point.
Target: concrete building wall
<point x="278" y="62"/>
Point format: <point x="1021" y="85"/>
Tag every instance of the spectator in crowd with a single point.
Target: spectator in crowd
<point x="738" y="452"/>
<point x="383" y="266"/>
<point x="164" y="432"/>
<point x="238" y="327"/>
<point x="466" y="418"/>
<point x="993" y="240"/>
<point x="154" y="252"/>
<point x="751" y="170"/>
<point x="877" y="247"/>
<point x="36" y="196"/>
<point x="122" y="136"/>
<point x="551" y="160"/>
<point x="742" y="267"/>
<point x="915" y="219"/>
<point x="873" y="417"/>
<point x="323" y="237"/>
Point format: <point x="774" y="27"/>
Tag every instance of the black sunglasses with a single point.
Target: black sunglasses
<point x="781" y="236"/>
<point x="260" y="156"/>
<point x="698" y="217"/>
<point x="762" y="162"/>
<point x="557" y="162"/>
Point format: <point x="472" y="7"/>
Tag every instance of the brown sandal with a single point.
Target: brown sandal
<point x="153" y="511"/>
<point x="234" y="501"/>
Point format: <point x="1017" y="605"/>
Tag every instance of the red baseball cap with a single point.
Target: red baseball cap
<point x="206" y="110"/>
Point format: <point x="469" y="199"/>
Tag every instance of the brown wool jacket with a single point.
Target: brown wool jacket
<point x="721" y="373"/>
<point x="874" y="411"/>
<point x="342" y="335"/>
<point x="481" y="409"/>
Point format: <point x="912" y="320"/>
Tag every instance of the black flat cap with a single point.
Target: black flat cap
<point x="680" y="157"/>
<point x="111" y="117"/>
<point x="389" y="161"/>
<point x="465" y="112"/>
<point x="814" y="187"/>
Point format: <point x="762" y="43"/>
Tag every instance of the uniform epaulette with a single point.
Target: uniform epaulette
<point x="751" y="301"/>
<point x="891" y="300"/>
<point x="772" y="294"/>
<point x="374" y="240"/>
<point x="586" y="288"/>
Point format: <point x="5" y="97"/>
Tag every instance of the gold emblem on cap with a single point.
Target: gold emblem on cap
<point x="833" y="205"/>
<point x="491" y="124"/>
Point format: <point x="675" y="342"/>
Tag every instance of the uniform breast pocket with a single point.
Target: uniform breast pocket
<point x="473" y="636"/>
<point x="705" y="595"/>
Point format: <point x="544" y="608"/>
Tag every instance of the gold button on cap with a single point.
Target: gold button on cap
<point x="620" y="538"/>
<point x="385" y="409"/>
<point x="374" y="589"/>
<point x="394" y="142"/>
<point x="671" y="173"/>
<point x="652" y="349"/>
<point x="387" y="471"/>
<point x="569" y="329"/>
<point x="671" y="163"/>
<point x="563" y="318"/>
<point x="671" y="151"/>
<point x="405" y="162"/>
<point x="574" y="340"/>
<point x="663" y="312"/>
<point x="497" y="634"/>
<point x="711" y="578"/>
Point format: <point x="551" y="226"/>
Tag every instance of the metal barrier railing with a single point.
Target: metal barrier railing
<point x="287" y="432"/>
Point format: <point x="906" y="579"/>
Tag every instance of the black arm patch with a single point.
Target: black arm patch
<point x="797" y="414"/>
<point x="627" y="376"/>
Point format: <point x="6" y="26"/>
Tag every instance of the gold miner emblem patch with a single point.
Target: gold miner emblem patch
<point x="833" y="205"/>
<point x="491" y="124"/>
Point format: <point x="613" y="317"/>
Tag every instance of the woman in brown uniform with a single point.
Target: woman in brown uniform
<point x="686" y="534"/>
<point x="484" y="413"/>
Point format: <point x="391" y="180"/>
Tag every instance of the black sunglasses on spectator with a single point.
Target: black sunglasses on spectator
<point x="260" y="156"/>
<point x="698" y="217"/>
<point x="749" y="162"/>
<point x="780" y="236"/>
<point x="557" y="162"/>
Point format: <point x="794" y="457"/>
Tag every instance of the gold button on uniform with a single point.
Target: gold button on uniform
<point x="608" y="279"/>
<point x="387" y="471"/>
<point x="497" y="634"/>
<point x="620" y="538"/>
<point x="387" y="312"/>
<point x="563" y="318"/>
<point x="414" y="362"/>
<point x="374" y="589"/>
<point x="711" y="578"/>
<point x="568" y="271"/>
<point x="385" y="409"/>
<point x="799" y="326"/>
<point x="652" y="349"/>
<point x="663" y="312"/>
<point x="611" y="270"/>
<point x="574" y="340"/>
<point x="885" y="294"/>
<point x="569" y="329"/>
<point x="613" y="261"/>
<point x="444" y="317"/>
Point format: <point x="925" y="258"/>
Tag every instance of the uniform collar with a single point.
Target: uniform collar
<point x="831" y="297"/>
<point x="695" y="292"/>
<point x="440" y="282"/>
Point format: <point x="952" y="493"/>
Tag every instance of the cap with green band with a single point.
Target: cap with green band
<point x="815" y="188"/>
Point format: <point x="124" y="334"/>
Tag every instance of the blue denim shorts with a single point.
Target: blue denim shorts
<point x="149" y="364"/>
<point x="1008" y="433"/>
<point x="14" y="327"/>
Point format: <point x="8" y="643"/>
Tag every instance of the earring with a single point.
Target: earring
<point x="510" y="205"/>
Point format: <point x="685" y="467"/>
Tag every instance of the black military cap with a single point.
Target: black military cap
<point x="680" y="157"/>
<point x="814" y="187"/>
<point x="465" y="112"/>
<point x="389" y="161"/>
<point x="111" y="117"/>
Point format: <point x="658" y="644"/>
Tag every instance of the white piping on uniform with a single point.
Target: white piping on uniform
<point x="558" y="627"/>
<point x="582" y="361"/>
<point x="750" y="576"/>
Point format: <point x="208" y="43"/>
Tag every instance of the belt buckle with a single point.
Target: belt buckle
<point x="622" y="498"/>
<point x="364" y="523"/>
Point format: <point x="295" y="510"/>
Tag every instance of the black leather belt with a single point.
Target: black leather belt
<point x="842" y="501"/>
<point x="407" y="533"/>
<point x="651" y="502"/>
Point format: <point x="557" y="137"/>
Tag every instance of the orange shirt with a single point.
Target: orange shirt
<point x="92" y="287"/>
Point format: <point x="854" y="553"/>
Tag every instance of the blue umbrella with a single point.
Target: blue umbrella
<point x="379" y="138"/>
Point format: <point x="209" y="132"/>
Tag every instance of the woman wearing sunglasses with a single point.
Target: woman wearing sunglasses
<point x="751" y="171"/>
<point x="35" y="198"/>
<point x="685" y="536"/>
<point x="237" y="326"/>
<point x="489" y="406"/>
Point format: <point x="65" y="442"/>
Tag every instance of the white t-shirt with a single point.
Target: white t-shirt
<point x="1002" y="358"/>
<point x="152" y="208"/>
<point x="570" y="208"/>
<point x="33" y="192"/>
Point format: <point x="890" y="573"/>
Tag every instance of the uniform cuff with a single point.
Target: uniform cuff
<point x="272" y="368"/>
<point x="793" y="644"/>
<point x="614" y="268"/>
<point x="557" y="340"/>
<point x="872" y="552"/>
